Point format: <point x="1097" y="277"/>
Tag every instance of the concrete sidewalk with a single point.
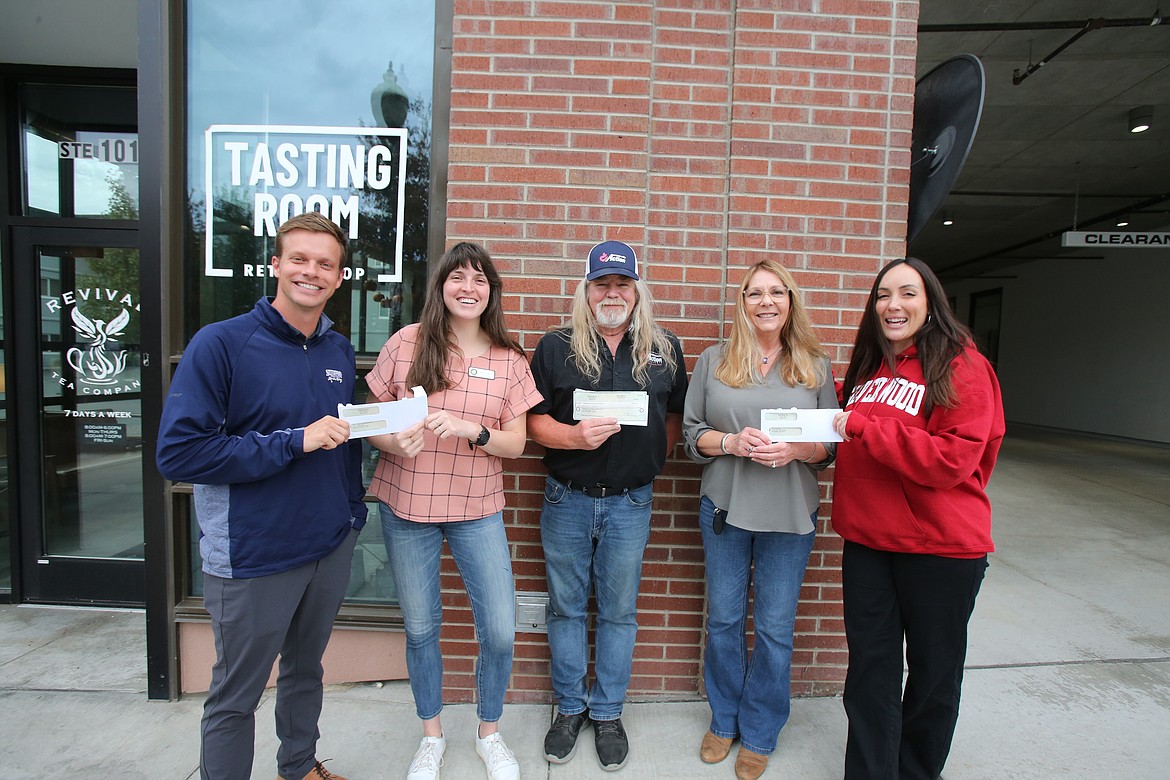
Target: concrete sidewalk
<point x="1068" y="670"/>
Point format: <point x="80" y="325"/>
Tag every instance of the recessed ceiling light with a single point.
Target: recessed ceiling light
<point x="1140" y="119"/>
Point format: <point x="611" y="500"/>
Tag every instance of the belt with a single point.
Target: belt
<point x="593" y="491"/>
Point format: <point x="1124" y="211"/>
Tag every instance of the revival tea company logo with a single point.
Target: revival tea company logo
<point x="98" y="360"/>
<point x="95" y="365"/>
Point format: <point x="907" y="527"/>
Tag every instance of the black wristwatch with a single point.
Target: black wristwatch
<point x="482" y="439"/>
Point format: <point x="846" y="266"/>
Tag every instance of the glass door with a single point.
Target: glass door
<point x="78" y="359"/>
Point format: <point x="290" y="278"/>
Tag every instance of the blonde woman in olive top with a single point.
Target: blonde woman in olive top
<point x="758" y="506"/>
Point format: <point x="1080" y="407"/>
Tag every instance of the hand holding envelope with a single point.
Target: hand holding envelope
<point x="799" y="424"/>
<point x="387" y="417"/>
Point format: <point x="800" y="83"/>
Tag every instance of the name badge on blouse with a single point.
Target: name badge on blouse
<point x="481" y="373"/>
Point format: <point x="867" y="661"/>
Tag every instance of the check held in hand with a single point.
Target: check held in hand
<point x="628" y="408"/>
<point x="387" y="417"/>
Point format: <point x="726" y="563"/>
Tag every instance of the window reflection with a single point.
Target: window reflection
<point x="72" y="171"/>
<point x="286" y="73"/>
<point x="91" y="408"/>
<point x="352" y="64"/>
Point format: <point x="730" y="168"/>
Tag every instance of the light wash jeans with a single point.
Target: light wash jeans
<point x="480" y="549"/>
<point x="750" y="698"/>
<point x="598" y="543"/>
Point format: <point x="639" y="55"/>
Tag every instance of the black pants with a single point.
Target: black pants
<point x="289" y="614"/>
<point x="923" y="601"/>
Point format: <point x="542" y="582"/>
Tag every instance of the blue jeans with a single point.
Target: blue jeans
<point x="599" y="542"/>
<point x="750" y="698"/>
<point x="480" y="550"/>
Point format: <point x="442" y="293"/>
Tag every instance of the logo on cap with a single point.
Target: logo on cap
<point x="611" y="257"/>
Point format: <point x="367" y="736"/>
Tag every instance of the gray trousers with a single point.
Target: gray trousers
<point x="289" y="614"/>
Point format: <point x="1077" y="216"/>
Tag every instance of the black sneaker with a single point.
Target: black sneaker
<point x="613" y="749"/>
<point x="560" y="743"/>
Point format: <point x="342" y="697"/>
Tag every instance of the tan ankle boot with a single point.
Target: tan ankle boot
<point x="714" y="749"/>
<point x="749" y="765"/>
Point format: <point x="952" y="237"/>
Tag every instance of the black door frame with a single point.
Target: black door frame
<point x="161" y="94"/>
<point x="52" y="579"/>
<point x="160" y="84"/>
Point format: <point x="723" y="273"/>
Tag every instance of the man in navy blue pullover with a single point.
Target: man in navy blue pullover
<point x="251" y="421"/>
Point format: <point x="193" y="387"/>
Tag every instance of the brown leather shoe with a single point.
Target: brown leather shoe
<point x="714" y="749"/>
<point x="749" y="765"/>
<point x="318" y="772"/>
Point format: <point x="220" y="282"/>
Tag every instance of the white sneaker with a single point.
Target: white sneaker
<point x="500" y="762"/>
<point x="427" y="759"/>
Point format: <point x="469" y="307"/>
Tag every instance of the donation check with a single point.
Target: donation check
<point x="629" y="408"/>
<point x="799" y="424"/>
<point x="387" y="417"/>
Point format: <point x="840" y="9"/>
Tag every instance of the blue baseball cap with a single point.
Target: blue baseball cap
<point x="611" y="257"/>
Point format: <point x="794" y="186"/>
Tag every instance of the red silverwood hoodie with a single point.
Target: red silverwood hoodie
<point x="911" y="483"/>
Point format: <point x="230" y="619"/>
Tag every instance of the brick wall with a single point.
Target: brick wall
<point x="707" y="134"/>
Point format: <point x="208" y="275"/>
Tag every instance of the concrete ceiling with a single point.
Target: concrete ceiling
<point x="92" y="34"/>
<point x="1055" y="150"/>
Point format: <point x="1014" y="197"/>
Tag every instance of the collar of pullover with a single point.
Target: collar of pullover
<point x="273" y="320"/>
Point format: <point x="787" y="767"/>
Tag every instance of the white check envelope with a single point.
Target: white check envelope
<point x="799" y="424"/>
<point x="387" y="417"/>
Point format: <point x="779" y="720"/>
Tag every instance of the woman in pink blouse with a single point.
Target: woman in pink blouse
<point x="442" y="479"/>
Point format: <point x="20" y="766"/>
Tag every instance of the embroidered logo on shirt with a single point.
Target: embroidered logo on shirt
<point x="656" y="359"/>
<point x="333" y="375"/>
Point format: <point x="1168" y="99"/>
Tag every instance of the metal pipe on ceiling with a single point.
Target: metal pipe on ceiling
<point x="1018" y="77"/>
<point x="1082" y="27"/>
<point x="1146" y="21"/>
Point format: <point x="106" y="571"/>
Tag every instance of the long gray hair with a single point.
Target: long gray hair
<point x="585" y="341"/>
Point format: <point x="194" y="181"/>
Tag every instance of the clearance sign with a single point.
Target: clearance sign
<point x="257" y="176"/>
<point x="1118" y="240"/>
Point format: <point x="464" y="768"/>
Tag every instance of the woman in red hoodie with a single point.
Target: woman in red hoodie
<point x="922" y="424"/>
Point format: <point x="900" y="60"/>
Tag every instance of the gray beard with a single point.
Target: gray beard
<point x="609" y="317"/>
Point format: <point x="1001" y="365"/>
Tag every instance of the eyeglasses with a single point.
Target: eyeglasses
<point x="757" y="296"/>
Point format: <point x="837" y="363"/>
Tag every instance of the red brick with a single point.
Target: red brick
<point x="620" y="126"/>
